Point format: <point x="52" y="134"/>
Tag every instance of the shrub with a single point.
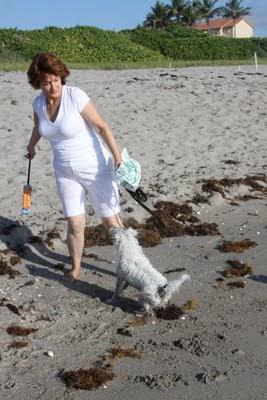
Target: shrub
<point x="181" y="43"/>
<point x="78" y="44"/>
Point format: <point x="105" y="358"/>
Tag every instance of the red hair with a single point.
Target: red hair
<point x="46" y="63"/>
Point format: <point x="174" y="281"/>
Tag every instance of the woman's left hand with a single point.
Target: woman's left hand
<point x="117" y="162"/>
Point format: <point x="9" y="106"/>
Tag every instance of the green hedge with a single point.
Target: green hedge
<point x="84" y="44"/>
<point x="214" y="48"/>
<point x="181" y="43"/>
<point x="79" y="44"/>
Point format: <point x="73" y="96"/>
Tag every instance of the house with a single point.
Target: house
<point x="228" y="27"/>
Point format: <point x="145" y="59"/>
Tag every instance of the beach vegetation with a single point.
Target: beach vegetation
<point x="77" y="44"/>
<point x="85" y="47"/>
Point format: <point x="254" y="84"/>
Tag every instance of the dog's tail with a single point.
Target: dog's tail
<point x="174" y="286"/>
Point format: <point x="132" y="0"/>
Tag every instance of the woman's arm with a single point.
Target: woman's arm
<point x="91" y="115"/>
<point x="35" y="137"/>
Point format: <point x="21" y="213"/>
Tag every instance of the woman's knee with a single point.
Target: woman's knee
<point x="76" y="225"/>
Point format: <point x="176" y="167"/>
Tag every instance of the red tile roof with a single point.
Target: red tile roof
<point x="219" y="23"/>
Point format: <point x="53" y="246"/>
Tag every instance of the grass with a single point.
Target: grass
<point x="7" y="66"/>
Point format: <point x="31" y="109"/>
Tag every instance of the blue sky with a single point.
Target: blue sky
<point x="106" y="14"/>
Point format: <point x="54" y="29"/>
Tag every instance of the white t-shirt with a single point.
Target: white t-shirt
<point x="72" y="138"/>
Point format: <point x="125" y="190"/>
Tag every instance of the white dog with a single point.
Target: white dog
<point x="135" y="269"/>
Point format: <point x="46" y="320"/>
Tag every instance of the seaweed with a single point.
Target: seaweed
<point x="236" y="284"/>
<point x="5" y="269"/>
<point x="167" y="220"/>
<point x="13" y="308"/>
<point x="238" y="269"/>
<point x="190" y="305"/>
<point x="14" y="260"/>
<point x="19" y="344"/>
<point x="96" y="257"/>
<point x="120" y="352"/>
<point x="170" y="271"/>
<point x="96" y="236"/>
<point x="247" y="197"/>
<point x="236" y="247"/>
<point x="87" y="379"/>
<point x="138" y="321"/>
<point x="15" y="330"/>
<point x="149" y="238"/>
<point x="35" y="239"/>
<point x="53" y="234"/>
<point x="171" y="312"/>
<point x="217" y="185"/>
<point x="199" y="198"/>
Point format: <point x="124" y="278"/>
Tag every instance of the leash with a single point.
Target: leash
<point x="140" y="197"/>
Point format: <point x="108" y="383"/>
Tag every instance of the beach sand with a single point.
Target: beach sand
<point x="184" y="126"/>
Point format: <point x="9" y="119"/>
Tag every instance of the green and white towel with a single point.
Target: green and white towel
<point x="129" y="172"/>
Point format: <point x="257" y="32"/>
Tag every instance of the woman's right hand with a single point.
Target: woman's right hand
<point x="30" y="152"/>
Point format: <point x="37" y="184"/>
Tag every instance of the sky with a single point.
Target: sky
<point x="105" y="14"/>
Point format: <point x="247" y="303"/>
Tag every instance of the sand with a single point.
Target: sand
<point x="184" y="126"/>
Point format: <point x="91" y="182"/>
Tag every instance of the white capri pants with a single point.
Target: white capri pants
<point x="76" y="181"/>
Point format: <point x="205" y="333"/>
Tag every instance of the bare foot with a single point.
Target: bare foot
<point x="72" y="275"/>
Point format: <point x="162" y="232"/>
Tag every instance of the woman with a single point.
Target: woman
<point x="66" y="117"/>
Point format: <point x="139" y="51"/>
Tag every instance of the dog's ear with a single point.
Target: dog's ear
<point x="162" y="291"/>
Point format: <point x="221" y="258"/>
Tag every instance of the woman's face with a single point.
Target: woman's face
<point x="51" y="86"/>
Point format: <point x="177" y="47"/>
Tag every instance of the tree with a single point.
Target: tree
<point x="207" y="10"/>
<point x="191" y="13"/>
<point x="177" y="8"/>
<point x="233" y="9"/>
<point x="158" y="17"/>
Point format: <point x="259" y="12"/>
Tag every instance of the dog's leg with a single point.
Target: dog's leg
<point x="143" y="301"/>
<point x="121" y="284"/>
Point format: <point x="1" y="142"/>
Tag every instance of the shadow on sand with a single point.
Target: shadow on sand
<point x="18" y="238"/>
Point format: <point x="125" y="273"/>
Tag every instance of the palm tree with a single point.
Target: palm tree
<point x="191" y="13"/>
<point x="233" y="9"/>
<point x="207" y="10"/>
<point x="177" y="8"/>
<point x="158" y="17"/>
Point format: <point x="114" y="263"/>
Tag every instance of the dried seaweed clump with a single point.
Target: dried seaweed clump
<point x="15" y="330"/>
<point x="170" y="312"/>
<point x="190" y="305"/>
<point x="131" y="223"/>
<point x="87" y="379"/>
<point x="6" y="269"/>
<point x="138" y="321"/>
<point x="217" y="185"/>
<point x="14" y="260"/>
<point x="247" y="197"/>
<point x="180" y="212"/>
<point x="36" y="239"/>
<point x="204" y="229"/>
<point x="199" y="198"/>
<point x="96" y="236"/>
<point x="19" y="344"/>
<point x="168" y="220"/>
<point x="236" y="284"/>
<point x="148" y="238"/>
<point x="53" y="234"/>
<point x="213" y="185"/>
<point x="120" y="352"/>
<point x="173" y="220"/>
<point x="237" y="269"/>
<point x="236" y="247"/>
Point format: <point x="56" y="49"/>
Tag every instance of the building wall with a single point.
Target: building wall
<point x="243" y="30"/>
<point x="227" y="32"/>
<point x="214" y="32"/>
